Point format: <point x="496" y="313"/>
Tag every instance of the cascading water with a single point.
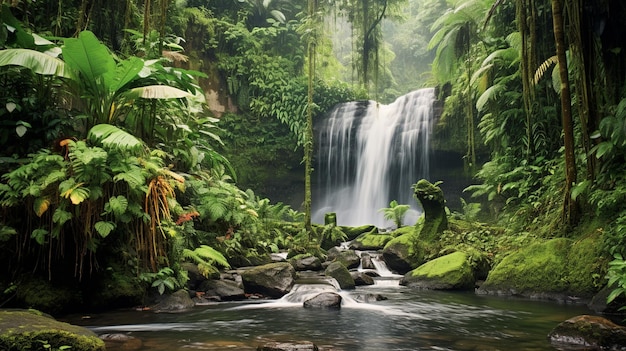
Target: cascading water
<point x="370" y="154"/>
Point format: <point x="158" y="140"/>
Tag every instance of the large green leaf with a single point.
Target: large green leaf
<point x="36" y="61"/>
<point x="113" y="137"/>
<point x="159" y="92"/>
<point x="125" y="72"/>
<point x="88" y="56"/>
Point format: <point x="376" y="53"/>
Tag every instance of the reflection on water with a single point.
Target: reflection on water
<point x="407" y="320"/>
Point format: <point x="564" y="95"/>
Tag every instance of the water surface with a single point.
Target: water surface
<point x="408" y="320"/>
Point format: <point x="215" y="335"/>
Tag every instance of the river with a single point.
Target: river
<point x="407" y="320"/>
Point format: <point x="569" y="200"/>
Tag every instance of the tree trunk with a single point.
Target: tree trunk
<point x="308" y="139"/>
<point x="570" y="208"/>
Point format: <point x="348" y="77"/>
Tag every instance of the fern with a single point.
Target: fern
<point x="541" y="70"/>
<point x="205" y="257"/>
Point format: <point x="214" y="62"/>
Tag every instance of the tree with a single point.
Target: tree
<point x="457" y="33"/>
<point x="570" y="207"/>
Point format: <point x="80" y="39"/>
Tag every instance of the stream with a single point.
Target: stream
<point x="408" y="319"/>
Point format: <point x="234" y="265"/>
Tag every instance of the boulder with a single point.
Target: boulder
<point x="195" y="277"/>
<point x="274" y="279"/>
<point x="288" y="346"/>
<point x="404" y="252"/>
<point x="370" y="241"/>
<point x="348" y="258"/>
<point x="449" y="272"/>
<point x="324" y="300"/>
<point x="366" y="261"/>
<point x="555" y="269"/>
<point x="27" y="330"/>
<point x="341" y="274"/>
<point x="589" y="332"/>
<point x="306" y="263"/>
<point x="179" y="301"/>
<point x="224" y="290"/>
<point x="354" y="232"/>
<point x="361" y="278"/>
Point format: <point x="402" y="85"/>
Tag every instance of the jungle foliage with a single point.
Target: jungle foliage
<point x="109" y="152"/>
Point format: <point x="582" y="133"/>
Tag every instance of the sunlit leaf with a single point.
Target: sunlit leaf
<point x="159" y="92"/>
<point x="104" y="228"/>
<point x="36" y="61"/>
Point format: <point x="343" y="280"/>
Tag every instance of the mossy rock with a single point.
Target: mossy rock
<point x="587" y="266"/>
<point x="341" y="274"/>
<point x="405" y="252"/>
<point x="40" y="294"/>
<point x="26" y="330"/>
<point x="116" y="289"/>
<point x="449" y="272"/>
<point x="353" y="232"/>
<point x="371" y="241"/>
<point x="538" y="270"/>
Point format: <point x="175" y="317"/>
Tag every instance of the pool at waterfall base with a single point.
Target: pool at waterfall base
<point x="406" y="319"/>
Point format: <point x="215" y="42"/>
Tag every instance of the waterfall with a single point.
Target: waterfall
<point x="370" y="154"/>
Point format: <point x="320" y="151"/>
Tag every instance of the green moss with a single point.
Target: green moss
<point x="354" y="232"/>
<point x="586" y="266"/>
<point x="41" y="294"/>
<point x="451" y="271"/>
<point x="539" y="267"/>
<point x="441" y="266"/>
<point x="24" y="330"/>
<point x="371" y="241"/>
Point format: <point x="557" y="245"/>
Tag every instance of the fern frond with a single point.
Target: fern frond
<point x="541" y="70"/>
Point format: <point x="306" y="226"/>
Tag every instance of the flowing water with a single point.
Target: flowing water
<point x="407" y="320"/>
<point x="369" y="154"/>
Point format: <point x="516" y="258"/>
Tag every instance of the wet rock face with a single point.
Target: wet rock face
<point x="176" y="302"/>
<point x="274" y="279"/>
<point x="310" y="263"/>
<point x="590" y="332"/>
<point x="224" y="290"/>
<point x="341" y="274"/>
<point x="324" y="300"/>
<point x="361" y="278"/>
<point x="348" y="258"/>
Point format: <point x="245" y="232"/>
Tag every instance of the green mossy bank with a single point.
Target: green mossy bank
<point x="31" y="330"/>
<point x="551" y="269"/>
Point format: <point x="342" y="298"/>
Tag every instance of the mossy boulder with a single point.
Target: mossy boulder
<point x="341" y="274"/>
<point x="589" y="333"/>
<point x="552" y="269"/>
<point x="274" y="279"/>
<point x="449" y="272"/>
<point x="354" y="232"/>
<point x="43" y="295"/>
<point x="29" y="330"/>
<point x="348" y="258"/>
<point x="404" y="252"/>
<point x="371" y="241"/>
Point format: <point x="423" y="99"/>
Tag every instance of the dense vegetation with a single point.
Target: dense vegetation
<point x="114" y="168"/>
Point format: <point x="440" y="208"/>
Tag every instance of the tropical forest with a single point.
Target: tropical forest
<point x="339" y="175"/>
